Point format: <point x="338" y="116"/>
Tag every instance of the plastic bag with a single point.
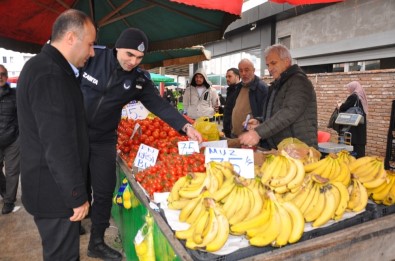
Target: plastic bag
<point x="299" y="150"/>
<point x="144" y="240"/>
<point x="209" y="130"/>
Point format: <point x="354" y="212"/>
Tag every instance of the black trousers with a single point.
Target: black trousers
<point x="102" y="171"/>
<point x="60" y="238"/>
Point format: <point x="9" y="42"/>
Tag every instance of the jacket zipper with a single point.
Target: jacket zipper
<point x="104" y="94"/>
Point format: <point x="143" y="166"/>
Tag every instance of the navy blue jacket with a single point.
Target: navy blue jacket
<point x="8" y="116"/>
<point x="107" y="88"/>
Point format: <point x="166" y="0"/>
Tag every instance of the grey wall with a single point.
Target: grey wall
<point x="353" y="30"/>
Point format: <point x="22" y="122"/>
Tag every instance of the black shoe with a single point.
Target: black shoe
<point x="7" y="208"/>
<point x="104" y="252"/>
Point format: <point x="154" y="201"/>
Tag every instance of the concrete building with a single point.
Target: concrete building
<point x="354" y="35"/>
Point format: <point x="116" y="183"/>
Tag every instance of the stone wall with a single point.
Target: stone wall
<point x="379" y="86"/>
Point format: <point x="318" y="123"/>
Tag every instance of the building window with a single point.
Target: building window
<point x="11" y="59"/>
<point x="286" y="41"/>
<point x="4" y="59"/>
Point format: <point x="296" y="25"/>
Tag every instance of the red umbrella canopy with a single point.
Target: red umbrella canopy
<point x="304" y="2"/>
<point x="169" y="24"/>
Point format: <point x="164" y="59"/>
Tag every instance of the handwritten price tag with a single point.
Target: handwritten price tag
<point x="187" y="147"/>
<point x="146" y="156"/>
<point x="136" y="110"/>
<point x="242" y="159"/>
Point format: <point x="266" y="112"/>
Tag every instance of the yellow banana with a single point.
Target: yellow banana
<point x="225" y="167"/>
<point x="244" y="209"/>
<point x="379" y="179"/>
<point x="256" y="202"/>
<point x="176" y="188"/>
<point x="271" y="233"/>
<point x="329" y="210"/>
<point x="368" y="173"/>
<point x="178" y="204"/>
<point x="273" y="167"/>
<point x="346" y="157"/>
<point x="328" y="170"/>
<point x="363" y="198"/>
<point x="214" y="184"/>
<point x="355" y="194"/>
<point x="335" y="169"/>
<point x="222" y="234"/>
<point x="297" y="221"/>
<point x="231" y="205"/>
<point x="318" y="165"/>
<point x="286" y="226"/>
<point x="284" y="175"/>
<point x="315" y="212"/>
<point x="344" y="198"/>
<point x="303" y="194"/>
<point x="196" y="212"/>
<point x="300" y="174"/>
<point x="313" y="204"/>
<point x="193" y="191"/>
<point x="187" y="210"/>
<point x="379" y="193"/>
<point x="390" y="198"/>
<point x="309" y="199"/>
<point x="201" y="223"/>
<point x="361" y="162"/>
<point x="223" y="191"/>
<point x="257" y="221"/>
<point x="344" y="173"/>
<point x="185" y="234"/>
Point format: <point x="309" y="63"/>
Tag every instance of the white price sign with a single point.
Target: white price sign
<point x="242" y="159"/>
<point x="146" y="156"/>
<point x="135" y="110"/>
<point x="188" y="147"/>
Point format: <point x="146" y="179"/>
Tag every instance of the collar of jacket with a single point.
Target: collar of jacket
<point x="292" y="70"/>
<point x="58" y="57"/>
<point x="6" y="90"/>
<point x="253" y="84"/>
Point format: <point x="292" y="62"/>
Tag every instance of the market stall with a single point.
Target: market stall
<point x="367" y="236"/>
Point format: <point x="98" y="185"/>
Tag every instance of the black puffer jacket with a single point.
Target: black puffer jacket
<point x="8" y="116"/>
<point x="358" y="133"/>
<point x="293" y="112"/>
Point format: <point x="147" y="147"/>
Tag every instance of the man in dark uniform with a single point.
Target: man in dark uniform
<point x="110" y="81"/>
<point x="53" y="136"/>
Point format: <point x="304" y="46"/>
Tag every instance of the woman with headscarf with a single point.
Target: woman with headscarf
<point x="357" y="97"/>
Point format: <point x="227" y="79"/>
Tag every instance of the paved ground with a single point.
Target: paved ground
<point x="19" y="238"/>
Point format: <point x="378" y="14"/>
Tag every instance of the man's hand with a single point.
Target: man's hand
<point x="249" y="138"/>
<point x="80" y="212"/>
<point x="193" y="134"/>
<point x="252" y="124"/>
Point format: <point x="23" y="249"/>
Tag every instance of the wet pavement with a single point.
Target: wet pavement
<point x="20" y="240"/>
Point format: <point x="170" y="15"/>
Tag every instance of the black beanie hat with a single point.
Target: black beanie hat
<point x="133" y="38"/>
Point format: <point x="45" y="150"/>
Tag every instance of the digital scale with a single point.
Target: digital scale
<point x="348" y="119"/>
<point x="344" y="142"/>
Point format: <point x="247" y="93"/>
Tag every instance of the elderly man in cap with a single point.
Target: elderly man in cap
<point x="111" y="80"/>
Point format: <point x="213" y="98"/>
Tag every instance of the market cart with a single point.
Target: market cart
<point x="367" y="236"/>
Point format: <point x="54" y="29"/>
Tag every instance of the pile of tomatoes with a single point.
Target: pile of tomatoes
<point x="162" y="176"/>
<point x="170" y="165"/>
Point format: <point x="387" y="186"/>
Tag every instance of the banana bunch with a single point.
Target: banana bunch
<point x="315" y="199"/>
<point x="369" y="171"/>
<point x="385" y="193"/>
<point x="278" y="224"/>
<point x="345" y="156"/>
<point x="282" y="173"/>
<point x="358" y="196"/>
<point x="210" y="232"/>
<point x="331" y="167"/>
<point x="242" y="202"/>
<point x="125" y="196"/>
<point x="194" y="209"/>
<point x="216" y="179"/>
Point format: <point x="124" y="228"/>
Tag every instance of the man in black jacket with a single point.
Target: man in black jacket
<point x="9" y="143"/>
<point x="111" y="80"/>
<point x="53" y="136"/>
<point x="233" y="81"/>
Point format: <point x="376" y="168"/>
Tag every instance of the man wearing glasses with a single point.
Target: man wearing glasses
<point x="9" y="143"/>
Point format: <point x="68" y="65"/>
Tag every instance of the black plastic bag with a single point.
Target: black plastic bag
<point x="332" y="120"/>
